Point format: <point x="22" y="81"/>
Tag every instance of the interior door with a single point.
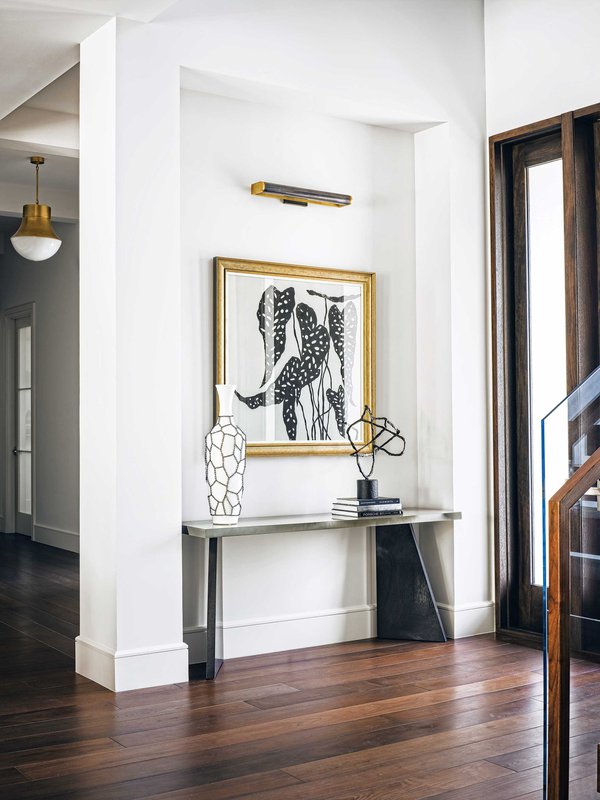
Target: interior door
<point x="540" y="348"/>
<point x="23" y="444"/>
<point x="545" y="241"/>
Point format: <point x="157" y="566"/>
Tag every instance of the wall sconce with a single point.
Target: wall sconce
<point x="295" y="196"/>
<point x="35" y="239"/>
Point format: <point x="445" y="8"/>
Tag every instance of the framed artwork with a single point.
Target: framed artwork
<point x="299" y="344"/>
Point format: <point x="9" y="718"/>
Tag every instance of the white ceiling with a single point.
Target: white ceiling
<point x="39" y="39"/>
<point x="39" y="64"/>
<point x="35" y="49"/>
<point x="59" y="172"/>
<point x="141" y="10"/>
<point x="60" y="95"/>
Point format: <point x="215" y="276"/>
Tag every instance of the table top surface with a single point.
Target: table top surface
<point x="248" y="526"/>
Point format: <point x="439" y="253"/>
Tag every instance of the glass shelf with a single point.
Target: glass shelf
<point x="585" y="555"/>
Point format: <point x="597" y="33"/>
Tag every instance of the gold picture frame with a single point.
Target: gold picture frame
<point x="253" y="318"/>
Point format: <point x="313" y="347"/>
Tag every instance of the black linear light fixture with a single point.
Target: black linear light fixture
<point x="295" y="196"/>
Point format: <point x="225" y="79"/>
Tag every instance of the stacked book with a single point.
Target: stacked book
<point x="357" y="508"/>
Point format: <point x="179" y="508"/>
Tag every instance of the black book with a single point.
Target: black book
<point x="370" y="501"/>
<point x="337" y="506"/>
<point x="363" y="514"/>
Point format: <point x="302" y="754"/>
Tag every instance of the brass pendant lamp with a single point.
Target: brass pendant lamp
<point x="36" y="239"/>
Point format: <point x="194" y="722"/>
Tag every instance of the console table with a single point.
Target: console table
<point x="406" y="608"/>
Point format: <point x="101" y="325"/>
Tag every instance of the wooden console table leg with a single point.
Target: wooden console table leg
<point x="406" y="608"/>
<point x="213" y="664"/>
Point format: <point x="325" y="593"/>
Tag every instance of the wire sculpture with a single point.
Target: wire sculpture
<point x="384" y="436"/>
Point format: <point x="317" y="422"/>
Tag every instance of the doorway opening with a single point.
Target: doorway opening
<point x="19" y="408"/>
<point x="39" y="388"/>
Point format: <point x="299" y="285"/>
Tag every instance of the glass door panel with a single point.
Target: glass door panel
<point x="24" y="420"/>
<point x="23" y="423"/>
<point x="24" y="359"/>
<point x="547" y="329"/>
<point x="24" y="492"/>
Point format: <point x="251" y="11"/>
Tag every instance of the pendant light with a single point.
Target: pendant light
<point x="35" y="239"/>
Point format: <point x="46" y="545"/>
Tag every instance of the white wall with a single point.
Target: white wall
<point x="322" y="577"/>
<point x="411" y="61"/>
<point x="541" y="59"/>
<point x="441" y="352"/>
<point x="54" y="288"/>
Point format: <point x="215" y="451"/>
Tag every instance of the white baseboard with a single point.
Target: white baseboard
<point x="249" y="637"/>
<point x="293" y="631"/>
<point x="55" y="537"/>
<point x="123" y="670"/>
<point x="470" y="619"/>
<point x="195" y="638"/>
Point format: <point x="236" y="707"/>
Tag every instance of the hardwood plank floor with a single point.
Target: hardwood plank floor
<point x="371" y="720"/>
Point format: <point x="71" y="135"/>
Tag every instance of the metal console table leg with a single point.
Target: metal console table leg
<point x="406" y="608"/>
<point x="213" y="664"/>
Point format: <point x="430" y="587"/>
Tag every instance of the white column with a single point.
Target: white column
<point x="471" y="406"/>
<point x="131" y="608"/>
<point x="451" y="376"/>
<point x="434" y="359"/>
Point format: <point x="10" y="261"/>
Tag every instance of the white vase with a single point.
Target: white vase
<point x="225" y="457"/>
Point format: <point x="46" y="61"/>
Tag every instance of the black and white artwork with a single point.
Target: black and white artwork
<point x="295" y="347"/>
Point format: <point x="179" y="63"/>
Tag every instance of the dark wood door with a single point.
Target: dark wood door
<point x="527" y="584"/>
<point x="571" y="142"/>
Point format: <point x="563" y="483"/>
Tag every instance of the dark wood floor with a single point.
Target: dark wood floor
<point x="357" y="721"/>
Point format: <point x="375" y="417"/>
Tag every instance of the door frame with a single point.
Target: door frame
<point x="581" y="239"/>
<point x="7" y="403"/>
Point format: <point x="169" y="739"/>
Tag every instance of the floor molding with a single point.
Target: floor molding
<point x="469" y="619"/>
<point x="253" y="636"/>
<point x="55" y="537"/>
<point x="140" y="668"/>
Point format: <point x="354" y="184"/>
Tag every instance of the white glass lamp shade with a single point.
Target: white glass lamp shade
<point x="35" y="248"/>
<point x="36" y="240"/>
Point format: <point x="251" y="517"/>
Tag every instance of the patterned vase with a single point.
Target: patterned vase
<point x="225" y="457"/>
